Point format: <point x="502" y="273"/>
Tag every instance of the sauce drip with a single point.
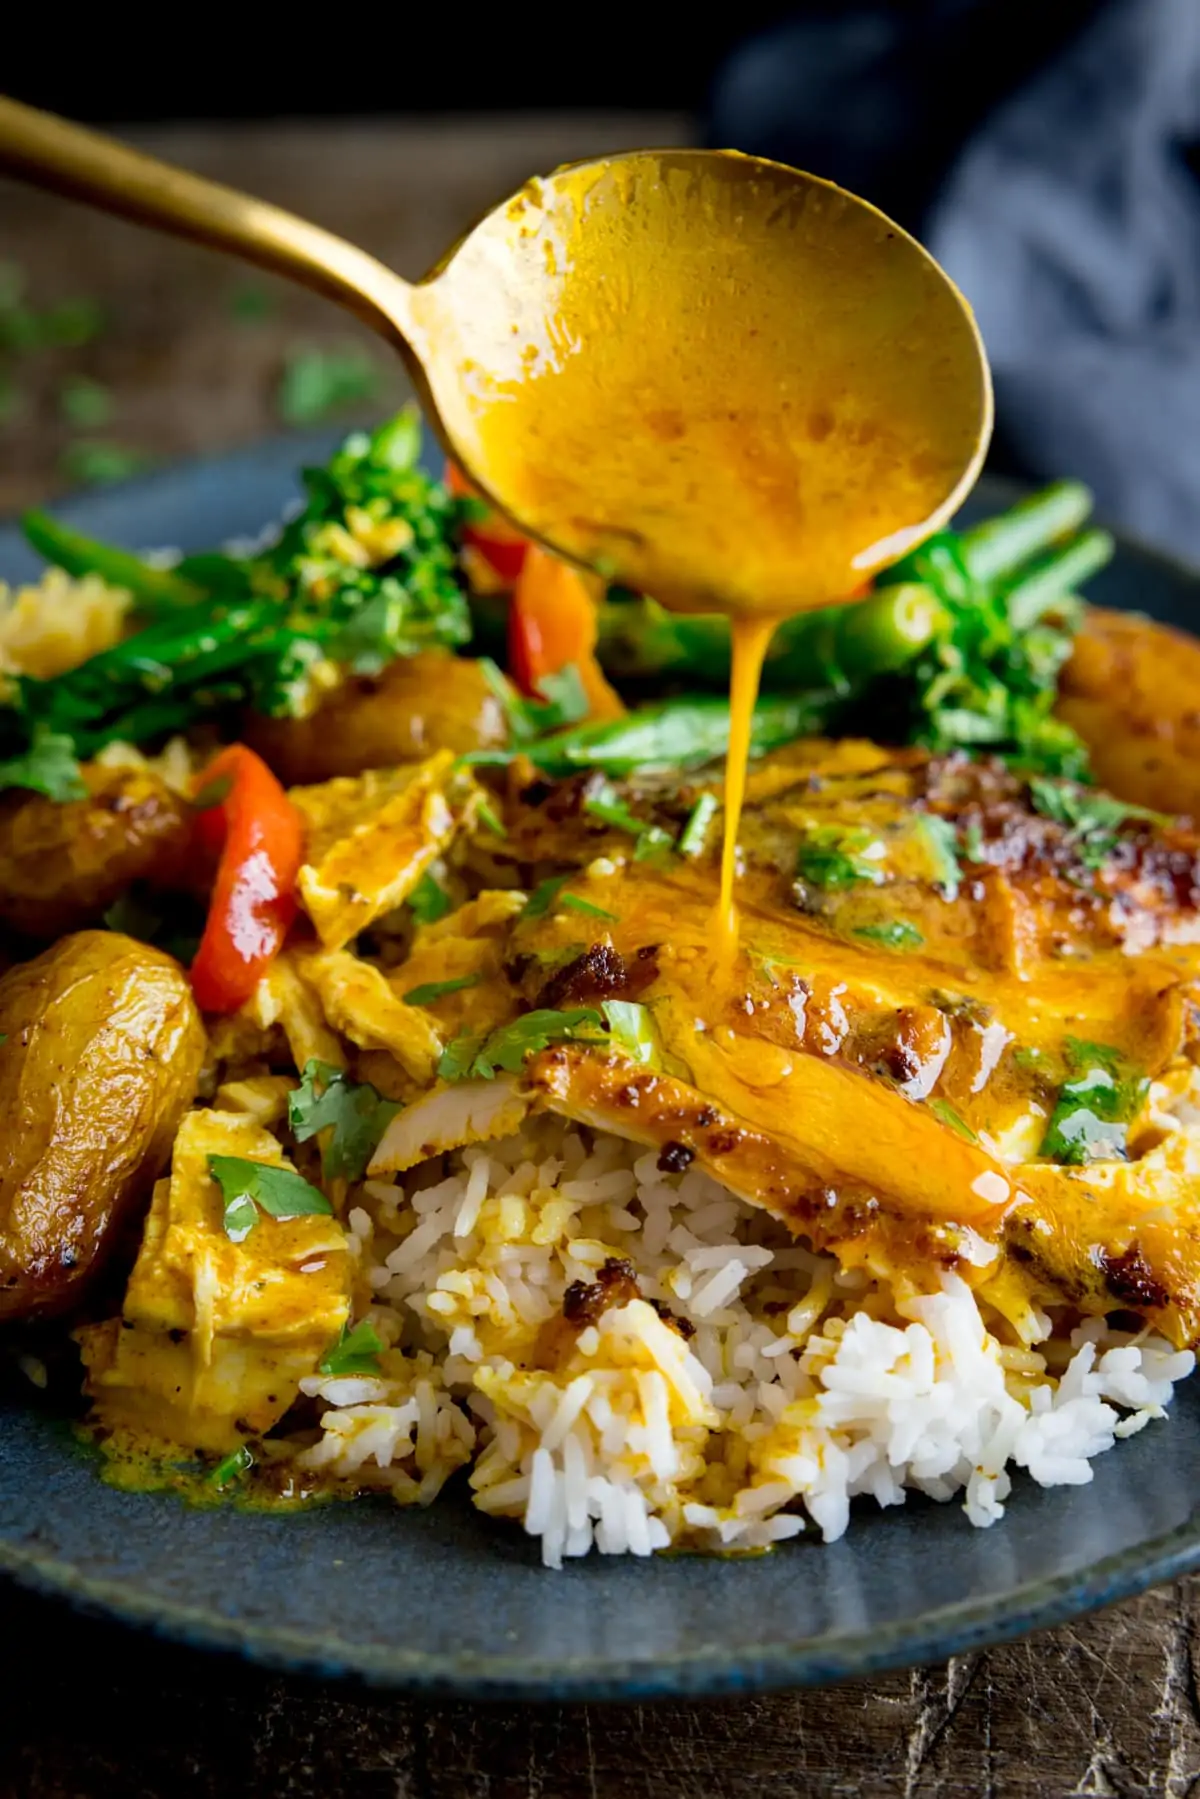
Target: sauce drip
<point x="750" y="637"/>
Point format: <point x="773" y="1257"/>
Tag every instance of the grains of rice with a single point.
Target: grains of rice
<point x="800" y="1388"/>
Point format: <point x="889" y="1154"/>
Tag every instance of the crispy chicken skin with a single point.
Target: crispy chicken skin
<point x="101" y="1052"/>
<point x="62" y="865"/>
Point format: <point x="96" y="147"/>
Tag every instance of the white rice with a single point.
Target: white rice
<point x="800" y="1388"/>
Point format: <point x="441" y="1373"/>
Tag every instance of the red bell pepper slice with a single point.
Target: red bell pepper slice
<point x="500" y="544"/>
<point x="552" y="622"/>
<point x="258" y="836"/>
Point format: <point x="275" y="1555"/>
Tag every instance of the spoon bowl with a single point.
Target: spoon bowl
<point x="707" y="376"/>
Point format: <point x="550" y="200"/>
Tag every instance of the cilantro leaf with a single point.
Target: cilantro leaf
<point x="631" y="1028"/>
<point x="489" y="818"/>
<point x="248" y="1186"/>
<point x="896" y="933"/>
<point x="48" y="766"/>
<point x="231" y="1468"/>
<point x="432" y="991"/>
<point x="429" y="901"/>
<point x="607" y="805"/>
<point x="834" y="857"/>
<point x="1095" y="1106"/>
<point x="1093" y="819"/>
<point x="356" y="1351"/>
<point x="941" y="844"/>
<point x="509" y="1047"/>
<point x="548" y="894"/>
<point x="563" y="701"/>
<point x="353" y="1111"/>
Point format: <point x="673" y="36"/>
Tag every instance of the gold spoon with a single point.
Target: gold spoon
<point x="706" y="376"/>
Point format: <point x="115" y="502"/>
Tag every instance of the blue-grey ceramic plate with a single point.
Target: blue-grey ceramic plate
<point x="443" y="1601"/>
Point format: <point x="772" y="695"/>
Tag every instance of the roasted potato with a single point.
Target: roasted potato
<point x="62" y="865"/>
<point x="102" y="1048"/>
<point x="1130" y="690"/>
<point x="416" y="706"/>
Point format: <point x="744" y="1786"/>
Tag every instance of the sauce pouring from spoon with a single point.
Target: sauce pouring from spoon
<point x="708" y="377"/>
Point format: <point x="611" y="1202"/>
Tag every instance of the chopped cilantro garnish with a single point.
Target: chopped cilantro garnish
<point x="429" y="901"/>
<point x="574" y="903"/>
<point x="1092" y="818"/>
<point x="896" y="933"/>
<point x="356" y="1351"/>
<point x="833" y="857"/>
<point x="562" y="701"/>
<point x="941" y="844"/>
<point x="1095" y="1105"/>
<point x="86" y="404"/>
<point x="231" y="1468"/>
<point x="354" y="1112"/>
<point x="48" y="766"/>
<point x="432" y="991"/>
<point x="694" y="836"/>
<point x="489" y="818"/>
<point x="631" y="1028"/>
<point x="607" y="805"/>
<point x="478" y="1058"/>
<point x="945" y="1113"/>
<point x="549" y="894"/>
<point x="96" y="462"/>
<point x="213" y="793"/>
<point x="973" y="848"/>
<point x="248" y="1186"/>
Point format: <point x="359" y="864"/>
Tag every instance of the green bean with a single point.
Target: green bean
<point x="158" y="588"/>
<point x="998" y="546"/>
<point x="674" y="734"/>
<point x="1052" y="577"/>
<point x="835" y="647"/>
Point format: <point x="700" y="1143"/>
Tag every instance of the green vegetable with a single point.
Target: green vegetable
<point x="1093" y="819"/>
<point x="550" y="893"/>
<point x="356" y="1351"/>
<point x="231" y="1469"/>
<point x="354" y="1113"/>
<point x="562" y="701"/>
<point x="316" y="383"/>
<point x="429" y="900"/>
<point x="48" y="766"/>
<point x="694" y="836"/>
<point x="631" y="1028"/>
<point x="248" y="1186"/>
<point x="175" y="927"/>
<point x="509" y="1047"/>
<point x="945" y="1113"/>
<point x="1043" y="583"/>
<point x="607" y="805"/>
<point x="896" y="933"/>
<point x="997" y="547"/>
<point x="249" y="304"/>
<point x="1095" y="1106"/>
<point x="101" y="463"/>
<point x="941" y="844"/>
<point x="674" y="734"/>
<point x="435" y="990"/>
<point x="232" y="633"/>
<point x="834" y="857"/>
<point x="489" y="818"/>
<point x="86" y="404"/>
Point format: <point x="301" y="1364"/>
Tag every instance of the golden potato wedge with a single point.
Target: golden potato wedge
<point x="102" y="1048"/>
<point x="1132" y="691"/>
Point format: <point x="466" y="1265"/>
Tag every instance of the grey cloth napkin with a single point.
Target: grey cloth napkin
<point x="1072" y="224"/>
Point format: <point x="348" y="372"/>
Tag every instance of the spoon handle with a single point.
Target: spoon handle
<point x="52" y="153"/>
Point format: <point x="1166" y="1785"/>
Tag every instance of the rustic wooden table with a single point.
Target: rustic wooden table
<point x="189" y="359"/>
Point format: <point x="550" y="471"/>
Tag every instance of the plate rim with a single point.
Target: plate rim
<point x="814" y="1662"/>
<point x="804" y="1662"/>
